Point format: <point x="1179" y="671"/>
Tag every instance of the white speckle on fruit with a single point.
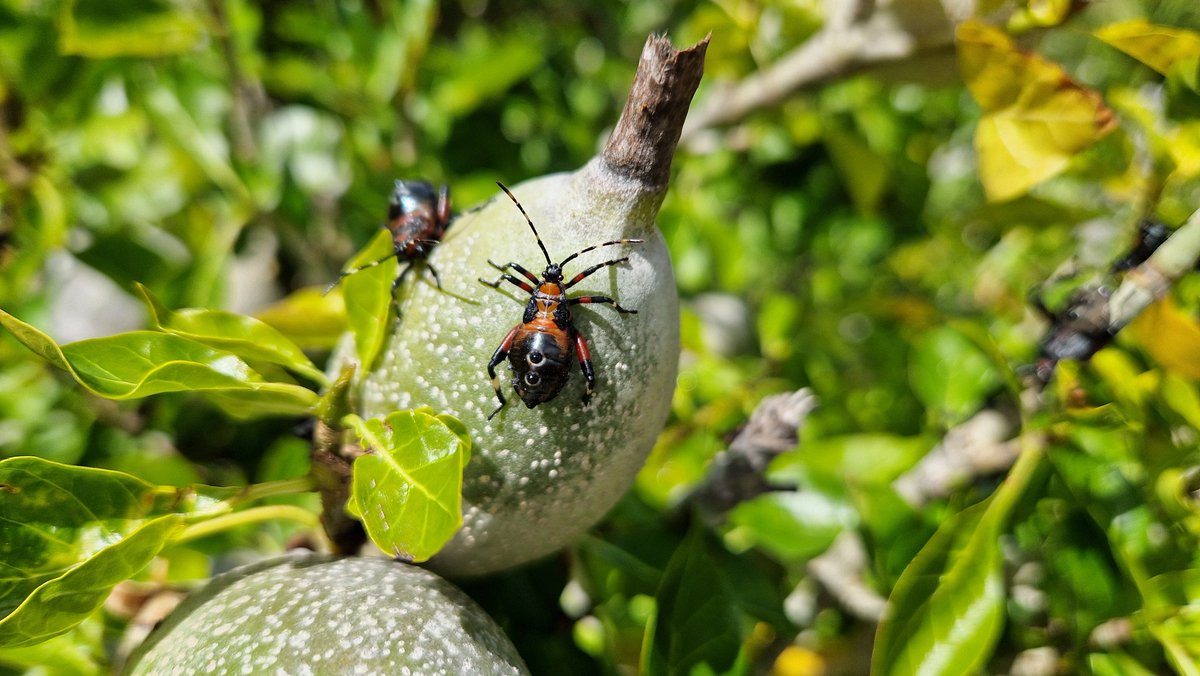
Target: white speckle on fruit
<point x="371" y="614"/>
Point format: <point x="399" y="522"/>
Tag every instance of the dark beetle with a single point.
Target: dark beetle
<point x="417" y="219"/>
<point x="1081" y="328"/>
<point x="539" y="349"/>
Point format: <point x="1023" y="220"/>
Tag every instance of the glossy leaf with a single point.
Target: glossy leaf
<point x="141" y="363"/>
<point x="1035" y="118"/>
<point x="947" y="608"/>
<point x="696" y="624"/>
<point x="856" y="459"/>
<point x="407" y="490"/>
<point x="245" y="337"/>
<point x="791" y="525"/>
<point x="951" y="375"/>
<point x="1159" y="47"/>
<point x="1169" y="336"/>
<point x="69" y="535"/>
<point x="308" y="318"/>
<point x="368" y="298"/>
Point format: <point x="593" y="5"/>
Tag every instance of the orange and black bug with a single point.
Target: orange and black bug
<point x="417" y="218"/>
<point x="539" y="349"/>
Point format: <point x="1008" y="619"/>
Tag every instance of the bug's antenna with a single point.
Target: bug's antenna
<point x="535" y="232"/>
<point x="360" y="268"/>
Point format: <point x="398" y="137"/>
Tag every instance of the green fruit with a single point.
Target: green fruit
<point x="539" y="477"/>
<point x="316" y="614"/>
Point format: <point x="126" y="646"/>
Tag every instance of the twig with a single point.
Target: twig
<point x="979" y="446"/>
<point x="644" y="140"/>
<point x="738" y="474"/>
<point x="1151" y="280"/>
<point x="855" y="35"/>
<point x="839" y="570"/>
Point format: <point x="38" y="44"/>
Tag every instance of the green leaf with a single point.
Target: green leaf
<point x="308" y="318"/>
<point x="368" y="296"/>
<point x="951" y="375"/>
<point x="74" y="653"/>
<point x="947" y="609"/>
<point x="856" y="459"/>
<point x="696" y="624"/>
<point x="408" y="490"/>
<point x="68" y="535"/>
<point x="791" y="525"/>
<point x="141" y="363"/>
<point x="106" y="28"/>
<point x="243" y="336"/>
<point x="1116" y="664"/>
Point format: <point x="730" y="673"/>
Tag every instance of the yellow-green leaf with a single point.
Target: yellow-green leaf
<point x="408" y="490"/>
<point x="1159" y="47"/>
<point x="1035" y="117"/>
<point x="1170" y="337"/>
<point x="308" y="318"/>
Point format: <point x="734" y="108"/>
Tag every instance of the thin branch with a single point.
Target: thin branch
<point x="739" y="473"/>
<point x="978" y="447"/>
<point x="1151" y="280"/>
<point x="644" y="140"/>
<point x="856" y="35"/>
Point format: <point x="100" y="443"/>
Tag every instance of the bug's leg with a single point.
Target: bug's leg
<point x="499" y="356"/>
<point x="580" y="277"/>
<point x="360" y="268"/>
<point x="601" y="299"/>
<point x="585" y="364"/>
<point x="396" y="287"/>
<point x="518" y="267"/>
<point x="436" y="277"/>
<point x="524" y="286"/>
<point x="614" y="242"/>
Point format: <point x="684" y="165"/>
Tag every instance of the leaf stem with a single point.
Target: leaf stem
<point x="273" y="488"/>
<point x="249" y="516"/>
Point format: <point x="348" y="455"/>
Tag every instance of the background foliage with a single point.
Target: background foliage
<point x="226" y="154"/>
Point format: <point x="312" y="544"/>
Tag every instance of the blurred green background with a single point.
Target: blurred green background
<point x="227" y="154"/>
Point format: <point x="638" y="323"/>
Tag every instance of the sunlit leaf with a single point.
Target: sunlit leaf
<point x="308" y="318"/>
<point x="1116" y="664"/>
<point x="951" y="375"/>
<point x="947" y="608"/>
<point x="1169" y="336"/>
<point x="111" y="28"/>
<point x="244" y="336"/>
<point x="407" y="490"/>
<point x="1035" y="118"/>
<point x="141" y="363"/>
<point x="368" y="297"/>
<point x="791" y="525"/>
<point x="1159" y="47"/>
<point x="696" y="623"/>
<point x="69" y="535"/>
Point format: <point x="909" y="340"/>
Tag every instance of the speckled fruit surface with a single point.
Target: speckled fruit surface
<point x="317" y="615"/>
<point x="539" y="477"/>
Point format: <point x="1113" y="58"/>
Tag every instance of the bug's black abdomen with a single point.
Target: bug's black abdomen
<point x="540" y="365"/>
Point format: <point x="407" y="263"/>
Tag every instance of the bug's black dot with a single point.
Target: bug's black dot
<point x="532" y="378"/>
<point x="535" y="357"/>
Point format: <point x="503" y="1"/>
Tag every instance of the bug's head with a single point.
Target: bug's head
<point x="540" y="368"/>
<point x="553" y="273"/>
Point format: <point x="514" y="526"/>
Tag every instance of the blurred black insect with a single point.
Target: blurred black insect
<point x="417" y="218"/>
<point x="1081" y="328"/>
